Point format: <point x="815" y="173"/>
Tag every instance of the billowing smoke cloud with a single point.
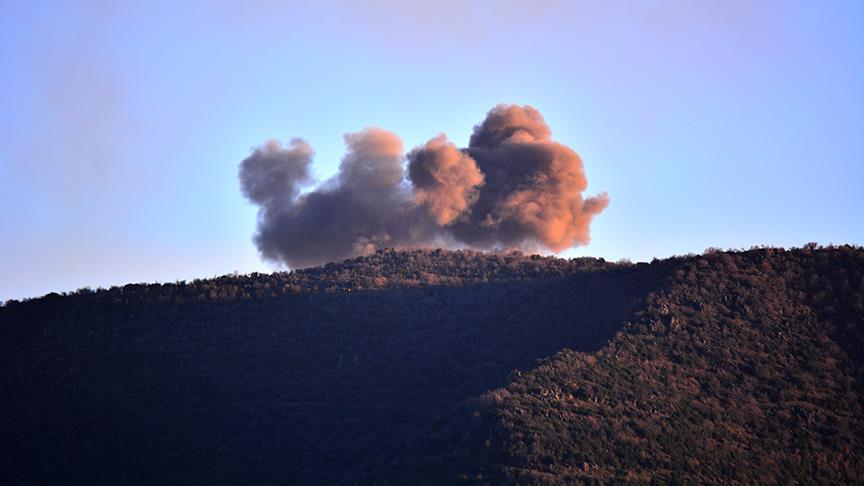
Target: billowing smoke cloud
<point x="444" y="178"/>
<point x="512" y="187"/>
<point x="533" y="189"/>
<point x="272" y="176"/>
<point x="366" y="207"/>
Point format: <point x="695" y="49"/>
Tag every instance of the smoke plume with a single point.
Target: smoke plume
<point x="511" y="188"/>
<point x="445" y="179"/>
<point x="272" y="175"/>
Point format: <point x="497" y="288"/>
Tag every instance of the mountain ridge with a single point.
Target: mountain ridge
<point x="433" y="366"/>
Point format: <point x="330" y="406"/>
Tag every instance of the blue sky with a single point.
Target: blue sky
<point x="710" y="124"/>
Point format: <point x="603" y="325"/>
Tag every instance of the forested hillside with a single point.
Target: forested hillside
<point x="447" y="367"/>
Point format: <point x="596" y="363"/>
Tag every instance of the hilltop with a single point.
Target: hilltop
<point x="435" y="366"/>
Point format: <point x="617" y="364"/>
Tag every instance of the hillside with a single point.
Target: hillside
<point x="442" y="367"/>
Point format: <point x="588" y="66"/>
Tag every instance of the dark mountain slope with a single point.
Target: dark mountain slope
<point x="399" y="367"/>
<point x="316" y="377"/>
<point x="743" y="367"/>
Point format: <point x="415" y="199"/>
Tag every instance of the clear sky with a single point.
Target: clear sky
<point x="709" y="123"/>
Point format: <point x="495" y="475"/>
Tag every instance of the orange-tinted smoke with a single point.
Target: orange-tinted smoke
<point x="445" y="179"/>
<point x="511" y="188"/>
<point x="510" y="122"/>
<point x="533" y="191"/>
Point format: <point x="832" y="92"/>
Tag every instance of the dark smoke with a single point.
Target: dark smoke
<point x="512" y="188"/>
<point x="272" y="175"/>
<point x="366" y="207"/>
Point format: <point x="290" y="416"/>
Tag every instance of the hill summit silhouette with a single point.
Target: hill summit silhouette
<point x="448" y="367"/>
